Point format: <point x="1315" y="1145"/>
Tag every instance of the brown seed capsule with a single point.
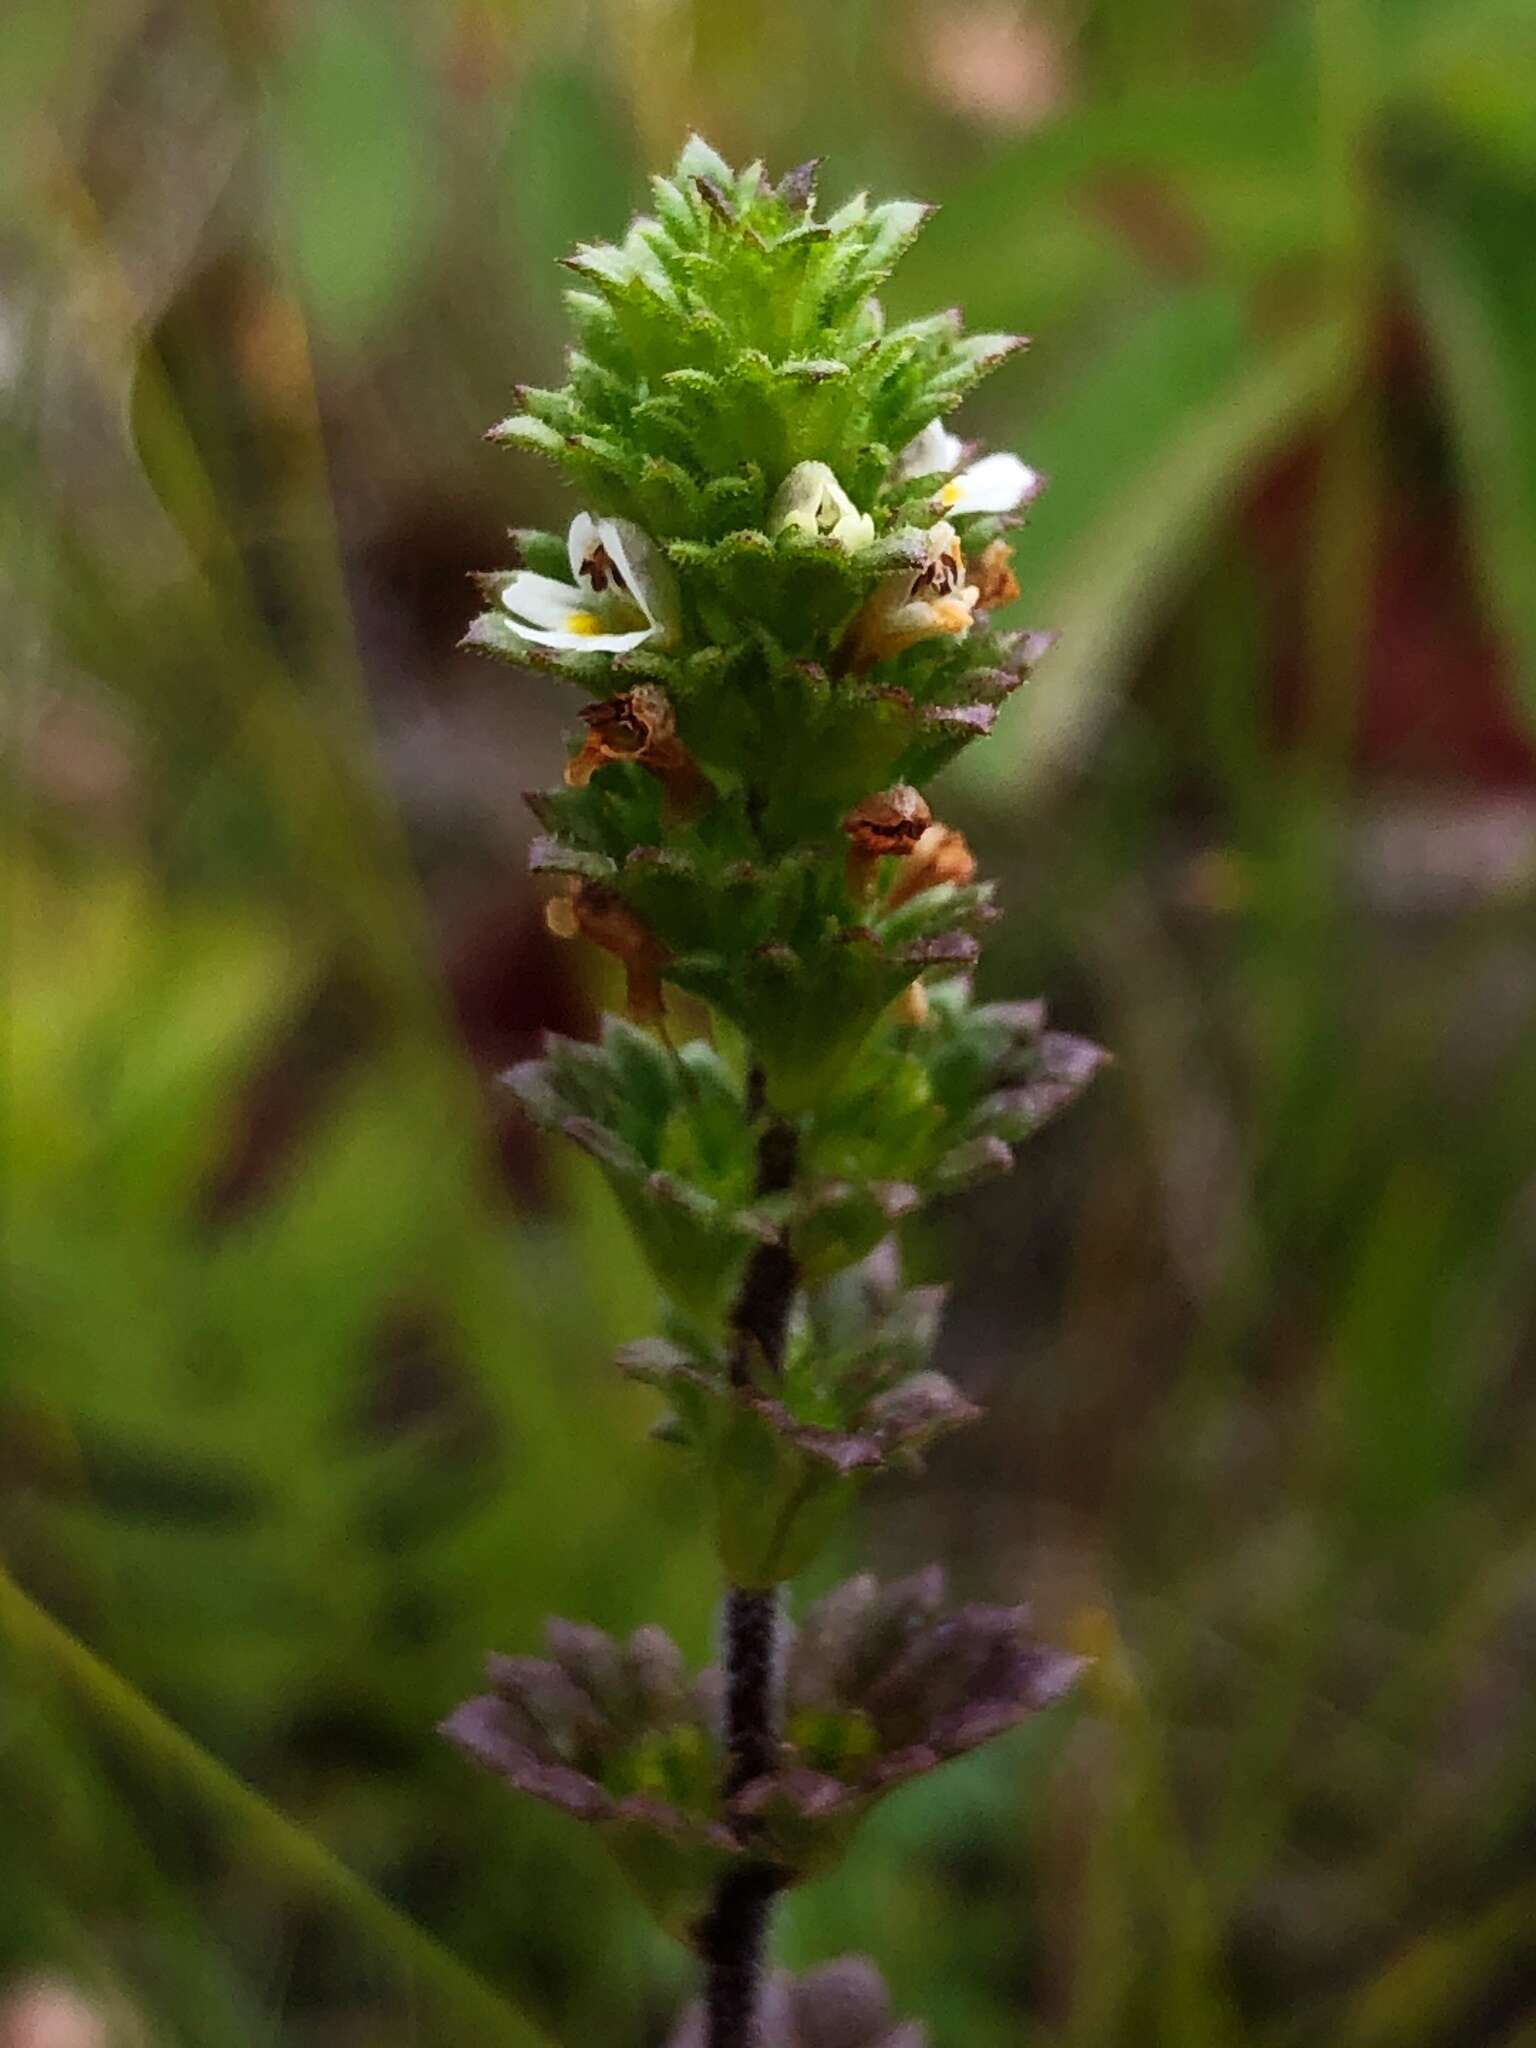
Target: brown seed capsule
<point x="600" y="914"/>
<point x="892" y="822"/>
<point x="995" y="581"/>
<point x="940" y="855"/>
<point x="639" y="726"/>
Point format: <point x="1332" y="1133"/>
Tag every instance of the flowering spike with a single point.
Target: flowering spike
<point x="776" y="595"/>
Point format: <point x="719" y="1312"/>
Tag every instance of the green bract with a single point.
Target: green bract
<point x="929" y="1108"/>
<point x="882" y="1683"/>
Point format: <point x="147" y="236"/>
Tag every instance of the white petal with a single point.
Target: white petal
<point x="812" y="501"/>
<point x="541" y="600"/>
<point x="998" y="483"/>
<point x="853" y="531"/>
<point x="552" y="614"/>
<point x="909" y="621"/>
<point x="647" y="573"/>
<point x="797" y="502"/>
<point x="580" y="541"/>
<point x="933" y="452"/>
<point x="585" y="643"/>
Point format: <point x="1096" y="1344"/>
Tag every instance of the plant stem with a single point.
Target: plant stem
<point x="734" y="1934"/>
<point x="735" y="1939"/>
<point x="751" y="1654"/>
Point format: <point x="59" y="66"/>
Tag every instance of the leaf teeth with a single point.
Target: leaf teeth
<point x="797" y="188"/>
<point x="716" y="198"/>
<point x="548" y="855"/>
<point x="699" y="159"/>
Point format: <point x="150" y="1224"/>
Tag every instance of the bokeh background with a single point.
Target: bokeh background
<point x="306" y="1392"/>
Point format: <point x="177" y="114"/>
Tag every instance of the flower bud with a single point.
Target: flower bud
<point x="812" y="501"/>
<point x="912" y="1005"/>
<point x="842" y="2004"/>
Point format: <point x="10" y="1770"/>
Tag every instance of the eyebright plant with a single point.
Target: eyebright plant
<point x="778" y="600"/>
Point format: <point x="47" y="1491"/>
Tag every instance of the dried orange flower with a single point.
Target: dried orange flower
<point x="892" y="822"/>
<point x="992" y="570"/>
<point x="639" y="726"/>
<point x="594" y="911"/>
<point x="940" y="855"/>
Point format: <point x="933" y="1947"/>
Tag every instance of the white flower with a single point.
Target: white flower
<point x="622" y="596"/>
<point x="998" y="483"/>
<point x="812" y="501"/>
<point x="933" y="452"/>
<point x="920" y="603"/>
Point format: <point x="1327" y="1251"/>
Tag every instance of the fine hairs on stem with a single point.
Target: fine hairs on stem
<point x="778" y="592"/>
<point x="735" y="1931"/>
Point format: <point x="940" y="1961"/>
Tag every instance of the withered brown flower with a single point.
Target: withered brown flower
<point x="992" y="573"/>
<point x="639" y="725"/>
<point x="939" y="855"/>
<point x="594" y="911"/>
<point x="892" y="822"/>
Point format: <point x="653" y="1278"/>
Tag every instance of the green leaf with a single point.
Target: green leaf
<point x="1237" y="155"/>
<point x="1475" y="65"/>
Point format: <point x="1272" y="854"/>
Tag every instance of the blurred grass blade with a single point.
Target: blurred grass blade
<point x="1474" y="65"/>
<point x="1438" y="1987"/>
<point x="272" y="1836"/>
<point x="1155" y="444"/>
<point x="46" y="63"/>
<point x="353" y="122"/>
<point x="1470" y="270"/>
<point x="566" y="171"/>
<point x="1232" y="161"/>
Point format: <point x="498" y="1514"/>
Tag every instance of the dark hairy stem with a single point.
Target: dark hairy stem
<point x="734" y="1937"/>
<point x="760" y="1316"/>
<point x="734" y="1933"/>
<point x="751" y="1656"/>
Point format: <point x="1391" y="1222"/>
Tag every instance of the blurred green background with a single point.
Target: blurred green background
<point x="306" y="1394"/>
